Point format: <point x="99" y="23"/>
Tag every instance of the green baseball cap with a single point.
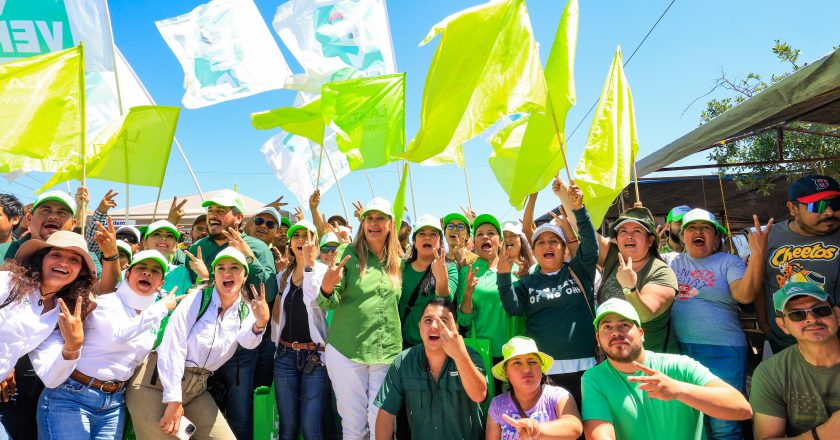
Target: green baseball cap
<point x="426" y="221"/>
<point x="640" y="215"/>
<point x="303" y="224"/>
<point x="150" y="255"/>
<point x="227" y="198"/>
<point x="794" y="289"/>
<point x="701" y="215"/>
<point x="487" y="218"/>
<point x="619" y="307"/>
<point x="456" y="216"/>
<point x="676" y="214"/>
<point x="162" y="224"/>
<point x="233" y="253"/>
<point x="285" y="222"/>
<point x="57" y="196"/>
<point x="123" y="246"/>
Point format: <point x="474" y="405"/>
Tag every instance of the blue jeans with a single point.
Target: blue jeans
<point x="74" y="410"/>
<point x="236" y="399"/>
<point x="301" y="397"/>
<point x="17" y="417"/>
<point x="729" y="364"/>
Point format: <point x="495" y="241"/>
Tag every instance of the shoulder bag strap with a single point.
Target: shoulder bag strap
<point x="413" y="298"/>
<point x="582" y="291"/>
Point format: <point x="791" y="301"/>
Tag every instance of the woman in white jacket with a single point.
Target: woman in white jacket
<point x="201" y="335"/>
<point x="299" y="328"/>
<point x="88" y="402"/>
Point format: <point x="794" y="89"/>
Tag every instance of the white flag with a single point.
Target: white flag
<point x="335" y="40"/>
<point x="294" y="160"/>
<point x="226" y="51"/>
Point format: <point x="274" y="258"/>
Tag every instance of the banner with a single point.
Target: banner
<point x="294" y="160"/>
<point x="335" y="40"/>
<point x="226" y="51"/>
<point x="301" y="120"/>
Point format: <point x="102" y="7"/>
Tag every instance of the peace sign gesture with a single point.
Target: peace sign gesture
<point x="526" y="429"/>
<point x="281" y="260"/>
<point x="171" y="300"/>
<point x="758" y="239"/>
<point x="197" y="265"/>
<point x="176" y="211"/>
<point x="469" y="213"/>
<point x="450" y="340"/>
<point x="259" y="308"/>
<point x="439" y="267"/>
<point x="71" y="328"/>
<point x="657" y="384"/>
<point x="504" y="265"/>
<point x="625" y="275"/>
<point x="106" y="238"/>
<point x="359" y="209"/>
<point x="472" y="281"/>
<point x="310" y="249"/>
<point x="236" y="241"/>
<point x="107" y="201"/>
<point x="334" y="275"/>
<point x="299" y="214"/>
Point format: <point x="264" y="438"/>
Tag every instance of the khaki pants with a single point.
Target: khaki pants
<point x="144" y="402"/>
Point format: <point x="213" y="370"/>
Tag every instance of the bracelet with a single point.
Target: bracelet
<point x="814" y="433"/>
<point x="260" y="328"/>
<point x="114" y="258"/>
<point x="77" y="351"/>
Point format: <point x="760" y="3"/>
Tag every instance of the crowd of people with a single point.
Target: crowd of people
<point x="452" y="326"/>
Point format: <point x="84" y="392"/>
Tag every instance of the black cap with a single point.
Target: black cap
<point x="813" y="188"/>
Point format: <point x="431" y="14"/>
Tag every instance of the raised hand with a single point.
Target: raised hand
<point x="459" y="251"/>
<point x="281" y="260"/>
<point x="197" y="265"/>
<point x="176" y="211"/>
<point x="526" y="429"/>
<point x="315" y="199"/>
<point x="625" y="275"/>
<point x="106" y="238"/>
<point x="358" y="209"/>
<point x="558" y="219"/>
<point x="236" y="241"/>
<point x="107" y="201"/>
<point x="299" y="214"/>
<point x="439" y="267"/>
<point x="662" y="231"/>
<point x="8" y="387"/>
<point x="310" y="250"/>
<point x="71" y="327"/>
<point x="259" y="308"/>
<point x="758" y="239"/>
<point x="576" y="196"/>
<point x="277" y="203"/>
<point x="559" y="187"/>
<point x="469" y="213"/>
<point x="504" y="265"/>
<point x="171" y="421"/>
<point x="450" y="340"/>
<point x="171" y="300"/>
<point x="82" y="196"/>
<point x="658" y="385"/>
<point x="334" y="275"/>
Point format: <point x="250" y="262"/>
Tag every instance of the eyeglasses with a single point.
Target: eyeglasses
<point x="268" y="223"/>
<point x="328" y="249"/>
<point x="800" y="315"/>
<point x="820" y="206"/>
<point x="458" y="226"/>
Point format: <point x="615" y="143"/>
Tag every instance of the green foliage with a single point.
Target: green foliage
<point x="763" y="147"/>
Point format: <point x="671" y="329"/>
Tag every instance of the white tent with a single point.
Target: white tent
<point x="143" y="214"/>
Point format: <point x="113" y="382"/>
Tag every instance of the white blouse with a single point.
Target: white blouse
<point x="315" y="314"/>
<point x="207" y="343"/>
<point x="24" y="327"/>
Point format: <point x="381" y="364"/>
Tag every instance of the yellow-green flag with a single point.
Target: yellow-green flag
<point x="42" y="106"/>
<point x="305" y="120"/>
<point x="538" y="155"/>
<point x="368" y="116"/>
<point x="486" y="67"/>
<point x="134" y="151"/>
<point x="399" y="199"/>
<point x="607" y="163"/>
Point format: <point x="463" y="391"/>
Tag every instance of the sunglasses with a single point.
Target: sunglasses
<point x="458" y="226"/>
<point x="128" y="238"/>
<point x="822" y="311"/>
<point x="328" y="249"/>
<point x="268" y="223"/>
<point x="819" y="207"/>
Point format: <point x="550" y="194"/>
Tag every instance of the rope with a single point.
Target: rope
<point x="725" y="214"/>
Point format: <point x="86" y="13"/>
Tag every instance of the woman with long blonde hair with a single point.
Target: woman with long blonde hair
<point x="365" y="335"/>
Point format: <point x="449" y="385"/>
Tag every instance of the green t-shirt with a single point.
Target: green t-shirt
<point x="260" y="271"/>
<point x="411" y="322"/>
<point x="488" y="317"/>
<point x="657" y="330"/>
<point x="365" y="325"/>
<point x="609" y="396"/>
<point x="437" y="408"/>
<point x="789" y="387"/>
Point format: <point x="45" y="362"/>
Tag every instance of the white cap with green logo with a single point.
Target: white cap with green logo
<point x="57" y="196"/>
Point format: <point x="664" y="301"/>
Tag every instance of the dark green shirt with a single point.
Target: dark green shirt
<point x="260" y="271"/>
<point x="437" y="409"/>
<point x="8" y="250"/>
<point x="411" y="320"/>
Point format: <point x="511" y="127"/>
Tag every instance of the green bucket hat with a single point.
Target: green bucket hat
<point x="517" y="346"/>
<point x="640" y="215"/>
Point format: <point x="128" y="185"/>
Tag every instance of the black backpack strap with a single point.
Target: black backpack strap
<point x="416" y="293"/>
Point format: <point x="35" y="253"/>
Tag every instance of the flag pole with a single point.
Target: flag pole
<point x="119" y="101"/>
<point x="373" y="194"/>
<point x="320" y="161"/>
<point x="636" y="185"/>
<point x="83" y="115"/>
<point x="560" y="140"/>
<point x="467" y="180"/>
<point x="338" y="185"/>
<point x="157" y="200"/>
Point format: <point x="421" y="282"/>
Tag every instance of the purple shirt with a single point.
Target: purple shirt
<point x="545" y="410"/>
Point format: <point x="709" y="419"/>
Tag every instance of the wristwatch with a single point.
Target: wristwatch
<point x="629" y="291"/>
<point x="307" y="268"/>
<point x="249" y="259"/>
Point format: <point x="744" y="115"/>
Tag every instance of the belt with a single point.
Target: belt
<point x="297" y="346"/>
<point x="106" y="386"/>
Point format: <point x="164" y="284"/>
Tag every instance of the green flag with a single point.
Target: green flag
<point x="607" y="163"/>
<point x="486" y="67"/>
<point x="305" y="120"/>
<point x="399" y="199"/>
<point x="42" y="110"/>
<point x="135" y="150"/>
<point x="538" y="157"/>
<point x="368" y="116"/>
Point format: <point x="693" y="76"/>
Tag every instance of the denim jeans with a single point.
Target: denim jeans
<point x="74" y="410"/>
<point x="17" y="417"/>
<point x="729" y="364"/>
<point x="301" y="397"/>
<point x="236" y="399"/>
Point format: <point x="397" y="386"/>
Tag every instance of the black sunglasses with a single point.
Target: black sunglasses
<point x="128" y="238"/>
<point x="820" y="206"/>
<point x="326" y="249"/>
<point x="800" y="315"/>
<point x="268" y="223"/>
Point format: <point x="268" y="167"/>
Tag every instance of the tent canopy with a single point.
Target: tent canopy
<point x="812" y="94"/>
<point x="143" y="214"/>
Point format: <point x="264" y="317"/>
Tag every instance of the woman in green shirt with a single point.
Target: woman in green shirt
<point x="425" y="276"/>
<point x="365" y="335"/>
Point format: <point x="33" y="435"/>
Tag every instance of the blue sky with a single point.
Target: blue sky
<point x="693" y="43"/>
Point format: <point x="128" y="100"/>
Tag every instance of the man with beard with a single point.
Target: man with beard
<point x="639" y="394"/>
<point x="669" y="234"/>
<point x="238" y="376"/>
<point x="794" y="393"/>
<point x="266" y="226"/>
<point x="803" y="249"/>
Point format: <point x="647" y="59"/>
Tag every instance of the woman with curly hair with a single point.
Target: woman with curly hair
<point x="49" y="282"/>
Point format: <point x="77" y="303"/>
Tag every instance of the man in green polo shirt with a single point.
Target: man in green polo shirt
<point x="639" y="394"/>
<point x="441" y="382"/>
<point x="247" y="368"/>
